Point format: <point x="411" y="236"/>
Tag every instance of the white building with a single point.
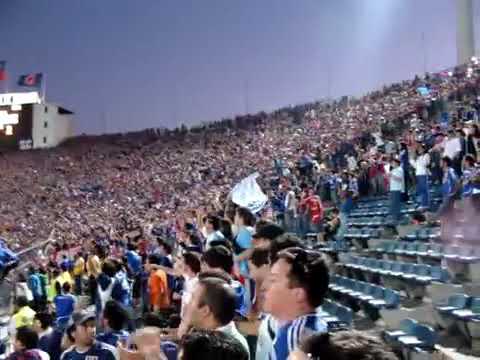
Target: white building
<point x="28" y="123"/>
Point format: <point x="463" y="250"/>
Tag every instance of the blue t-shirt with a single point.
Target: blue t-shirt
<point x="134" y="261"/>
<point x="113" y="337"/>
<point x="98" y="351"/>
<point x="244" y="241"/>
<point x="241" y="298"/>
<point x="121" y="290"/>
<point x="289" y="336"/>
<point x="6" y="255"/>
<point x="35" y="285"/>
<point x="64" y="307"/>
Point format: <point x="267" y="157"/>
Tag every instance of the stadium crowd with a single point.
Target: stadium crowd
<point x="150" y="258"/>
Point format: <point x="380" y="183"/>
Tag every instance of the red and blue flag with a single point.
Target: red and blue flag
<point x="3" y="70"/>
<point x="30" y="80"/>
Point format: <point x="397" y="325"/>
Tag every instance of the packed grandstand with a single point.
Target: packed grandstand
<point x="368" y="233"/>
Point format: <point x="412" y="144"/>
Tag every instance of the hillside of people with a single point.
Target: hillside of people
<point x="367" y="242"/>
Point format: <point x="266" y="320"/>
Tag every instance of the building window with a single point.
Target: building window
<point x="46" y="109"/>
<point x="44" y="139"/>
<point x="45" y="124"/>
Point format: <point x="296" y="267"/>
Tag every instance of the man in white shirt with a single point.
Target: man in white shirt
<point x="420" y="164"/>
<point x="397" y="187"/>
<point x="290" y="210"/>
<point x="213" y="307"/>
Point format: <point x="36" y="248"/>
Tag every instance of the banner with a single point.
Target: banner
<point x="30" y="80"/>
<point x="3" y="70"/>
<point x="247" y="193"/>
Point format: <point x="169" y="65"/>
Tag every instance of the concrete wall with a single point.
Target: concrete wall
<point x="49" y="127"/>
<point x="465" y="31"/>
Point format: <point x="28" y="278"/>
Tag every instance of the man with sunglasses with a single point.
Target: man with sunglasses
<point x="298" y="282"/>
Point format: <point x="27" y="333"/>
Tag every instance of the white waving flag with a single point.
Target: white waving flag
<point x="247" y="193"/>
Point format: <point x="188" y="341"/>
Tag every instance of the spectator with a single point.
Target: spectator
<point x="23" y="315"/>
<point x="26" y="346"/>
<point x="298" y="283"/>
<point x="115" y="318"/>
<point x="214" y="345"/>
<point x="244" y="221"/>
<point x="35" y="286"/>
<point x="265" y="233"/>
<point x="65" y="304"/>
<point x="212" y="231"/>
<point x="213" y="307"/>
<point x="397" y="187"/>
<point x="420" y="163"/>
<point x="78" y="273"/>
<point x="158" y="284"/>
<point x="344" y="345"/>
<point x="82" y="329"/>
<point x="42" y="324"/>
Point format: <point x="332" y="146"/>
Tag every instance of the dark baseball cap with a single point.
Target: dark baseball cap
<point x="81" y="317"/>
<point x="268" y="231"/>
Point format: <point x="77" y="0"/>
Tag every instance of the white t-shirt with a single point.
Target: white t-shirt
<point x="421" y="164"/>
<point x="231" y="329"/>
<point x="266" y="335"/>
<point x="188" y="289"/>
<point x="397" y="184"/>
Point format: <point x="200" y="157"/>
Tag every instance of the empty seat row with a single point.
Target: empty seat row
<point x="334" y="246"/>
<point x="424" y="234"/>
<point x="368" y="221"/>
<point x="460" y="306"/>
<point x="372" y="297"/>
<point x="407" y="248"/>
<point x="376" y="211"/>
<point x="363" y="233"/>
<point x="466" y="254"/>
<point x="420" y="273"/>
<point x="379" y="211"/>
<point x="337" y="316"/>
<point x="412" y="336"/>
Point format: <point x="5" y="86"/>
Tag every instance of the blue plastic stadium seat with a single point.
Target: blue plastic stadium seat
<point x="345" y="314"/>
<point x="473" y="311"/>
<point x="439" y="274"/>
<point x="422" y="273"/>
<point x="455" y="302"/>
<point x="427" y="336"/>
<point x="407" y="327"/>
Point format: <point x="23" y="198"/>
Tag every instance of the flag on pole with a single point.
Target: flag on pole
<point x="3" y="70"/>
<point x="30" y="80"/>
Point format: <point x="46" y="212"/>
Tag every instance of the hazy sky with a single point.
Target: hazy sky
<point x="152" y="63"/>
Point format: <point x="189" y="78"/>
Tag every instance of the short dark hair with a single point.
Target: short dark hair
<point x="217" y="274"/>
<point x="246" y="215"/>
<point x="214" y="220"/>
<point x="116" y="315"/>
<point x="109" y="268"/>
<point x="212" y="345"/>
<point x="308" y="271"/>
<point x="27" y="337"/>
<point x="66" y="287"/>
<point x="154" y="320"/>
<point x="220" y="297"/>
<point x="21" y="301"/>
<point x="282" y="242"/>
<point x="219" y="257"/>
<point x="192" y="260"/>
<point x="447" y="160"/>
<point x="470" y="159"/>
<point x="346" y="345"/>
<point x="165" y="244"/>
<point x="155" y="259"/>
<point x="45" y="319"/>
<point x="260" y="257"/>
